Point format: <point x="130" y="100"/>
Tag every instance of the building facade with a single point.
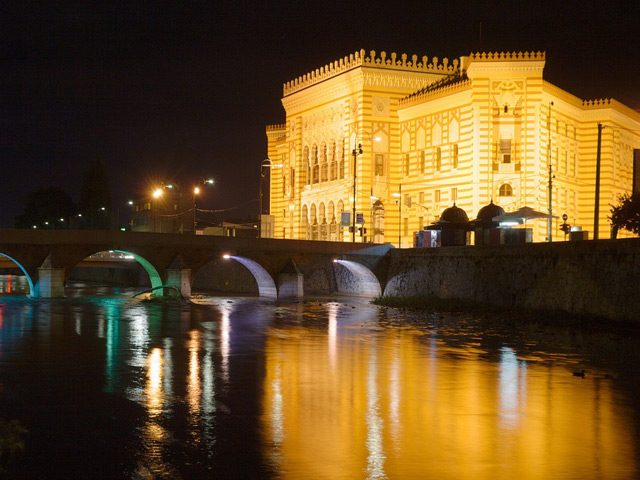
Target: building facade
<point x="413" y="136"/>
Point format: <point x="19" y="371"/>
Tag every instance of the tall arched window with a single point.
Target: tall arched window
<point x="304" y="220"/>
<point x="324" y="165"/>
<point x="436" y="134"/>
<point x="341" y="168"/>
<point x="315" y="172"/>
<point x="333" y="165"/>
<point x="505" y="190"/>
<point x="306" y="167"/>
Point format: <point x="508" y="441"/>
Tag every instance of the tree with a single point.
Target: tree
<point x="626" y="215"/>
<point x="95" y="196"/>
<point x="48" y="207"/>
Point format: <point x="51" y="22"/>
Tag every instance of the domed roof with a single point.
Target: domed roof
<point x="454" y="215"/>
<point x="487" y="212"/>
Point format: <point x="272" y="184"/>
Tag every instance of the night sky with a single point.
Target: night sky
<point x="177" y="91"/>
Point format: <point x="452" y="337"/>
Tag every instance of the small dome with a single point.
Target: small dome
<point x="487" y="212"/>
<point x="454" y="215"/>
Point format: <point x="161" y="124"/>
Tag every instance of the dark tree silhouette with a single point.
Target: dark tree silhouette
<point x="626" y="215"/>
<point x="48" y="207"/>
<point x="95" y="197"/>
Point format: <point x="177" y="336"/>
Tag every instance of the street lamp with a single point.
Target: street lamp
<point x="156" y="194"/>
<point x="196" y="191"/>
<point x="398" y="196"/>
<point x="597" y="195"/>
<point x="355" y="152"/>
<point x="268" y="163"/>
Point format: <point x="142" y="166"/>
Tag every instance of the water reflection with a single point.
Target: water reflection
<point x="251" y="389"/>
<point x="408" y="403"/>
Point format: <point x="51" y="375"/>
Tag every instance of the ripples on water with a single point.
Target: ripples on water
<point x="111" y="387"/>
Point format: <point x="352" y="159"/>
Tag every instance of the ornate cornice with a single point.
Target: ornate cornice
<point x="360" y="58"/>
<point x="504" y="63"/>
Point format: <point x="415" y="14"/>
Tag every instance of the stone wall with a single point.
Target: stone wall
<point x="599" y="278"/>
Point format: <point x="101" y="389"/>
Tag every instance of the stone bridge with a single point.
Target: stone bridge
<point x="281" y="268"/>
<point x="598" y="278"/>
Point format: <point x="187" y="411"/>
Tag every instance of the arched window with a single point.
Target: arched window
<point x="324" y="165"/>
<point x="341" y="168"/>
<point x="305" y="165"/>
<point x="505" y="190"/>
<point x="313" y="219"/>
<point x="322" y="213"/>
<point x="315" y="172"/>
<point x="436" y="134"/>
<point x="305" y="223"/>
<point x="333" y="166"/>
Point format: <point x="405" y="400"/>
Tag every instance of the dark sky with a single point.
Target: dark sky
<point x="176" y="91"/>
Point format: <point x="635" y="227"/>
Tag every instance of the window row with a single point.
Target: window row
<point x="436" y="159"/>
<point x="323" y="164"/>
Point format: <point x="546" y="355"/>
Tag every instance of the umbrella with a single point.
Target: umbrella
<point x="521" y="215"/>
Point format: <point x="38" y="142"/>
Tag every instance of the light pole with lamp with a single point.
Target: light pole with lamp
<point x="550" y="192"/>
<point x="196" y="191"/>
<point x="398" y="196"/>
<point x="156" y="194"/>
<point x="597" y="194"/>
<point x="267" y="162"/>
<point x="355" y="152"/>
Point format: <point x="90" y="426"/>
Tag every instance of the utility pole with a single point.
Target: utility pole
<point x="356" y="151"/>
<point x="597" y="200"/>
<point x="550" y="219"/>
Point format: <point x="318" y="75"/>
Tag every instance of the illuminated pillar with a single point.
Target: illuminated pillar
<point x="290" y="282"/>
<point x="50" y="282"/>
<point x="180" y="278"/>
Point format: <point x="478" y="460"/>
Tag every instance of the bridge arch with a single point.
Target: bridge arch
<point x="154" y="276"/>
<point x="362" y="280"/>
<point x="32" y="291"/>
<point x="266" y="285"/>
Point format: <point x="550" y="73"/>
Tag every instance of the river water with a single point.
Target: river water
<point x="114" y="387"/>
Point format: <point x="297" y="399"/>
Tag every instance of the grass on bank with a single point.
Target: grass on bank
<point x="423" y="302"/>
<point x="517" y="314"/>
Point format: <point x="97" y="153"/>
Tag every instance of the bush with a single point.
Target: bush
<point x="626" y="215"/>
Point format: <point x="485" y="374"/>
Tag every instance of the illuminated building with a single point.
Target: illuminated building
<point x="485" y="127"/>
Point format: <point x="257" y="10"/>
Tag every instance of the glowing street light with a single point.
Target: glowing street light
<point x="355" y="152"/>
<point x="196" y="191"/>
<point x="156" y="194"/>
<point x="268" y="163"/>
<point x="398" y="196"/>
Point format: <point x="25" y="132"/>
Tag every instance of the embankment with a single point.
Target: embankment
<point x="593" y="278"/>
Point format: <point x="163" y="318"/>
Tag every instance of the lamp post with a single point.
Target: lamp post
<point x="398" y="196"/>
<point x="156" y="194"/>
<point x="196" y="191"/>
<point x="268" y="163"/>
<point x="550" y="193"/>
<point x="356" y="151"/>
<point x="597" y="199"/>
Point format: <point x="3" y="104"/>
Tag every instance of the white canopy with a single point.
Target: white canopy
<point x="521" y="215"/>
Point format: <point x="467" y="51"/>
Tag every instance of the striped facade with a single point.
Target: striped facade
<point x="483" y="128"/>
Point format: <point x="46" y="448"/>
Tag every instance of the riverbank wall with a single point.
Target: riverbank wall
<point x="592" y="278"/>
